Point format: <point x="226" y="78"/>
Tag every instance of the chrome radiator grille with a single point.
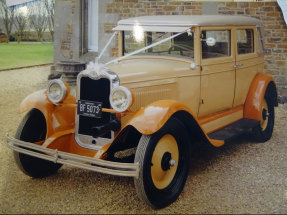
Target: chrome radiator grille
<point x="99" y="91"/>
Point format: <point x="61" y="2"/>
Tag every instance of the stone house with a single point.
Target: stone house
<point x="83" y="27"/>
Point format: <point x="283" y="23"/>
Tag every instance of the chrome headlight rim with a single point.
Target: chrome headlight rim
<point x="129" y="97"/>
<point x="63" y="91"/>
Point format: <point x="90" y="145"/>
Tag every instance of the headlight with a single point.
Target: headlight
<point x="121" y="99"/>
<point x="56" y="91"/>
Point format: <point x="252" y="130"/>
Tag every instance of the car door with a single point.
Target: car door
<point x="248" y="61"/>
<point x="217" y="70"/>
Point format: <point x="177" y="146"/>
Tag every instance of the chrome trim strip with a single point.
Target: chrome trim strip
<point x="94" y="71"/>
<point x="97" y="165"/>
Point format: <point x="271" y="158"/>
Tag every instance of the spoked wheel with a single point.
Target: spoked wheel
<point x="33" y="129"/>
<point x="163" y="159"/>
<point x="264" y="131"/>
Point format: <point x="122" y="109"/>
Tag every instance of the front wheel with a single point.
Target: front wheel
<point x="33" y="129"/>
<point x="163" y="160"/>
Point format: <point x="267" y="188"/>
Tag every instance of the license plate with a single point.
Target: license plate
<point x="89" y="108"/>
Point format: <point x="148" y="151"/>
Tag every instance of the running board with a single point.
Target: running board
<point x="234" y="130"/>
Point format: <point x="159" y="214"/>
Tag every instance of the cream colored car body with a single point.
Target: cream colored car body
<point x="206" y="86"/>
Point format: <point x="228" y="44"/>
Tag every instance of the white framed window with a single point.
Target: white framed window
<point x="93" y="25"/>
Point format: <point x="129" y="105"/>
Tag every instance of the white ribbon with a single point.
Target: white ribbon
<point x="106" y="46"/>
<point x="147" y="47"/>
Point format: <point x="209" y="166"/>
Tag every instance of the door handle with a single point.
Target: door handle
<point x="238" y="65"/>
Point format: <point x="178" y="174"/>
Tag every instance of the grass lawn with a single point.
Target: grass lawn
<point x="14" y="55"/>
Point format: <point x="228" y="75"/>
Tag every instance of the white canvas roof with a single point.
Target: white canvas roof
<point x="179" y="23"/>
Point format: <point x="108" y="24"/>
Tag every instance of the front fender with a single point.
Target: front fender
<point x="150" y="119"/>
<point x="255" y="96"/>
<point x="38" y="100"/>
<point x="58" y="117"/>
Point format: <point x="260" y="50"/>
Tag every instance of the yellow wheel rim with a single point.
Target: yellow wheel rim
<point x="264" y="122"/>
<point x="162" y="178"/>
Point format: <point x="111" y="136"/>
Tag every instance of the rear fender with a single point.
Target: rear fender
<point x="260" y="85"/>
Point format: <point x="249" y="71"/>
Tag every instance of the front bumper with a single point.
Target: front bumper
<point x="97" y="165"/>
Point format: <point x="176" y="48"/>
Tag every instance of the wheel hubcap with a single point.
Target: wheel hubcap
<point x="164" y="161"/>
<point x="265" y="115"/>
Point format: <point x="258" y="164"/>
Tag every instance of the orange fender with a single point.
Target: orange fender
<point x="60" y="120"/>
<point x="255" y="96"/>
<point x="58" y="117"/>
<point x="150" y="119"/>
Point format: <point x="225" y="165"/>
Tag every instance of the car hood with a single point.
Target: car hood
<point x="138" y="69"/>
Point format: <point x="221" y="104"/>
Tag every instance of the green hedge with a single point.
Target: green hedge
<point x="31" y="36"/>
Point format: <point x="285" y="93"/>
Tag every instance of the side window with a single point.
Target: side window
<point x="245" y="41"/>
<point x="216" y="44"/>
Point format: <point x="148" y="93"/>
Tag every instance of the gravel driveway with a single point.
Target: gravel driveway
<point x="242" y="177"/>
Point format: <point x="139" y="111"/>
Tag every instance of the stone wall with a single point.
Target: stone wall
<point x="67" y="39"/>
<point x="269" y="12"/>
<point x="275" y="37"/>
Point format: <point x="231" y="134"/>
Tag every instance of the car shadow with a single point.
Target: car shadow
<point x="204" y="155"/>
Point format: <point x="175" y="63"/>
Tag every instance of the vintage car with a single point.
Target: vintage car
<point x="178" y="80"/>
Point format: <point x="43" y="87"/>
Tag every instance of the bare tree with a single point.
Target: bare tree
<point x="50" y="5"/>
<point x="38" y="18"/>
<point x="1" y="25"/>
<point x="7" y="14"/>
<point x="20" y="23"/>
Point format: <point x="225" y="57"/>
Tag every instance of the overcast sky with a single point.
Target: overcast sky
<point x="282" y="4"/>
<point x="16" y="2"/>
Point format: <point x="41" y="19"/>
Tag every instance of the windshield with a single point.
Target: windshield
<point x="182" y="45"/>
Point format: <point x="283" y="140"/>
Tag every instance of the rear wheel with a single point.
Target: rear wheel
<point x="264" y="131"/>
<point x="163" y="160"/>
<point x="33" y="129"/>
